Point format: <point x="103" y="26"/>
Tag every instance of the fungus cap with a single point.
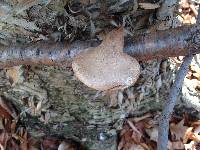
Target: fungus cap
<point x="106" y="67"/>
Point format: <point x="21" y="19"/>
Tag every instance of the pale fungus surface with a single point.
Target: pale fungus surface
<point x="107" y="67"/>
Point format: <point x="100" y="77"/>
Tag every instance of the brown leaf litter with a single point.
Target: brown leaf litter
<point x="13" y="136"/>
<point x="142" y="134"/>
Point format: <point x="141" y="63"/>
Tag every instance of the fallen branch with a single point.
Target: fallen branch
<point x="163" y="44"/>
<point x="157" y="45"/>
<point x="170" y="103"/>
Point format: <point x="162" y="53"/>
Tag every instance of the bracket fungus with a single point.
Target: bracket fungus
<point x="107" y="67"/>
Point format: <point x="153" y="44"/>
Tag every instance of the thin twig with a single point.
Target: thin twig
<point x="198" y="17"/>
<point x="170" y="103"/>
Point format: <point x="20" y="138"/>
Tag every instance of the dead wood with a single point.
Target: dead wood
<point x="170" y="103"/>
<point x="157" y="45"/>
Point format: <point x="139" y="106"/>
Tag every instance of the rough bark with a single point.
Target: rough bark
<point x="71" y="109"/>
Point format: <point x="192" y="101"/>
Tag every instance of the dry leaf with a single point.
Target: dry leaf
<point x="193" y="9"/>
<point x="15" y="74"/>
<point x="197" y="87"/>
<point x="12" y="145"/>
<point x="194" y="136"/>
<point x="136" y="135"/>
<point x="7" y="142"/>
<point x="121" y="144"/>
<point x="27" y="143"/>
<point x="196" y="75"/>
<point x="126" y="139"/>
<point x="184" y="4"/>
<point x="34" y="144"/>
<point x="127" y="136"/>
<point x="194" y="68"/>
<point x="145" y="146"/>
<point x="187" y="134"/>
<point x="4" y="113"/>
<point x="177" y="145"/>
<point x="136" y="147"/>
<point x="4" y="137"/>
<point x="178" y="130"/>
<point x="24" y="143"/>
<point x="153" y="133"/>
<point x="7" y="109"/>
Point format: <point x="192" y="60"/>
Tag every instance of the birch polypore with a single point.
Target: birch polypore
<point x="107" y="67"/>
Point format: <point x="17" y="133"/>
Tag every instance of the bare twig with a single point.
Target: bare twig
<point x="170" y="103"/>
<point x="198" y="17"/>
<point x="157" y="45"/>
<point x="163" y="44"/>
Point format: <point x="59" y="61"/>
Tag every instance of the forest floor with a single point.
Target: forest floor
<point x="47" y="107"/>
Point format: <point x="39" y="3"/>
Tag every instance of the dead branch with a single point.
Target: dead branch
<point x="161" y="44"/>
<point x="198" y="16"/>
<point x="170" y="103"/>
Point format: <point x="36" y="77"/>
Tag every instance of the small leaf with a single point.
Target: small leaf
<point x="178" y="130"/>
<point x="7" y="109"/>
<point x="153" y="133"/>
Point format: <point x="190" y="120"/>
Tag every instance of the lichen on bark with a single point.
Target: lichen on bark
<point x="54" y="98"/>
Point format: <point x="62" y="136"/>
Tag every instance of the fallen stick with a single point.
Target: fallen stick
<point x="157" y="45"/>
<point x="170" y="103"/>
<point x="163" y="44"/>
